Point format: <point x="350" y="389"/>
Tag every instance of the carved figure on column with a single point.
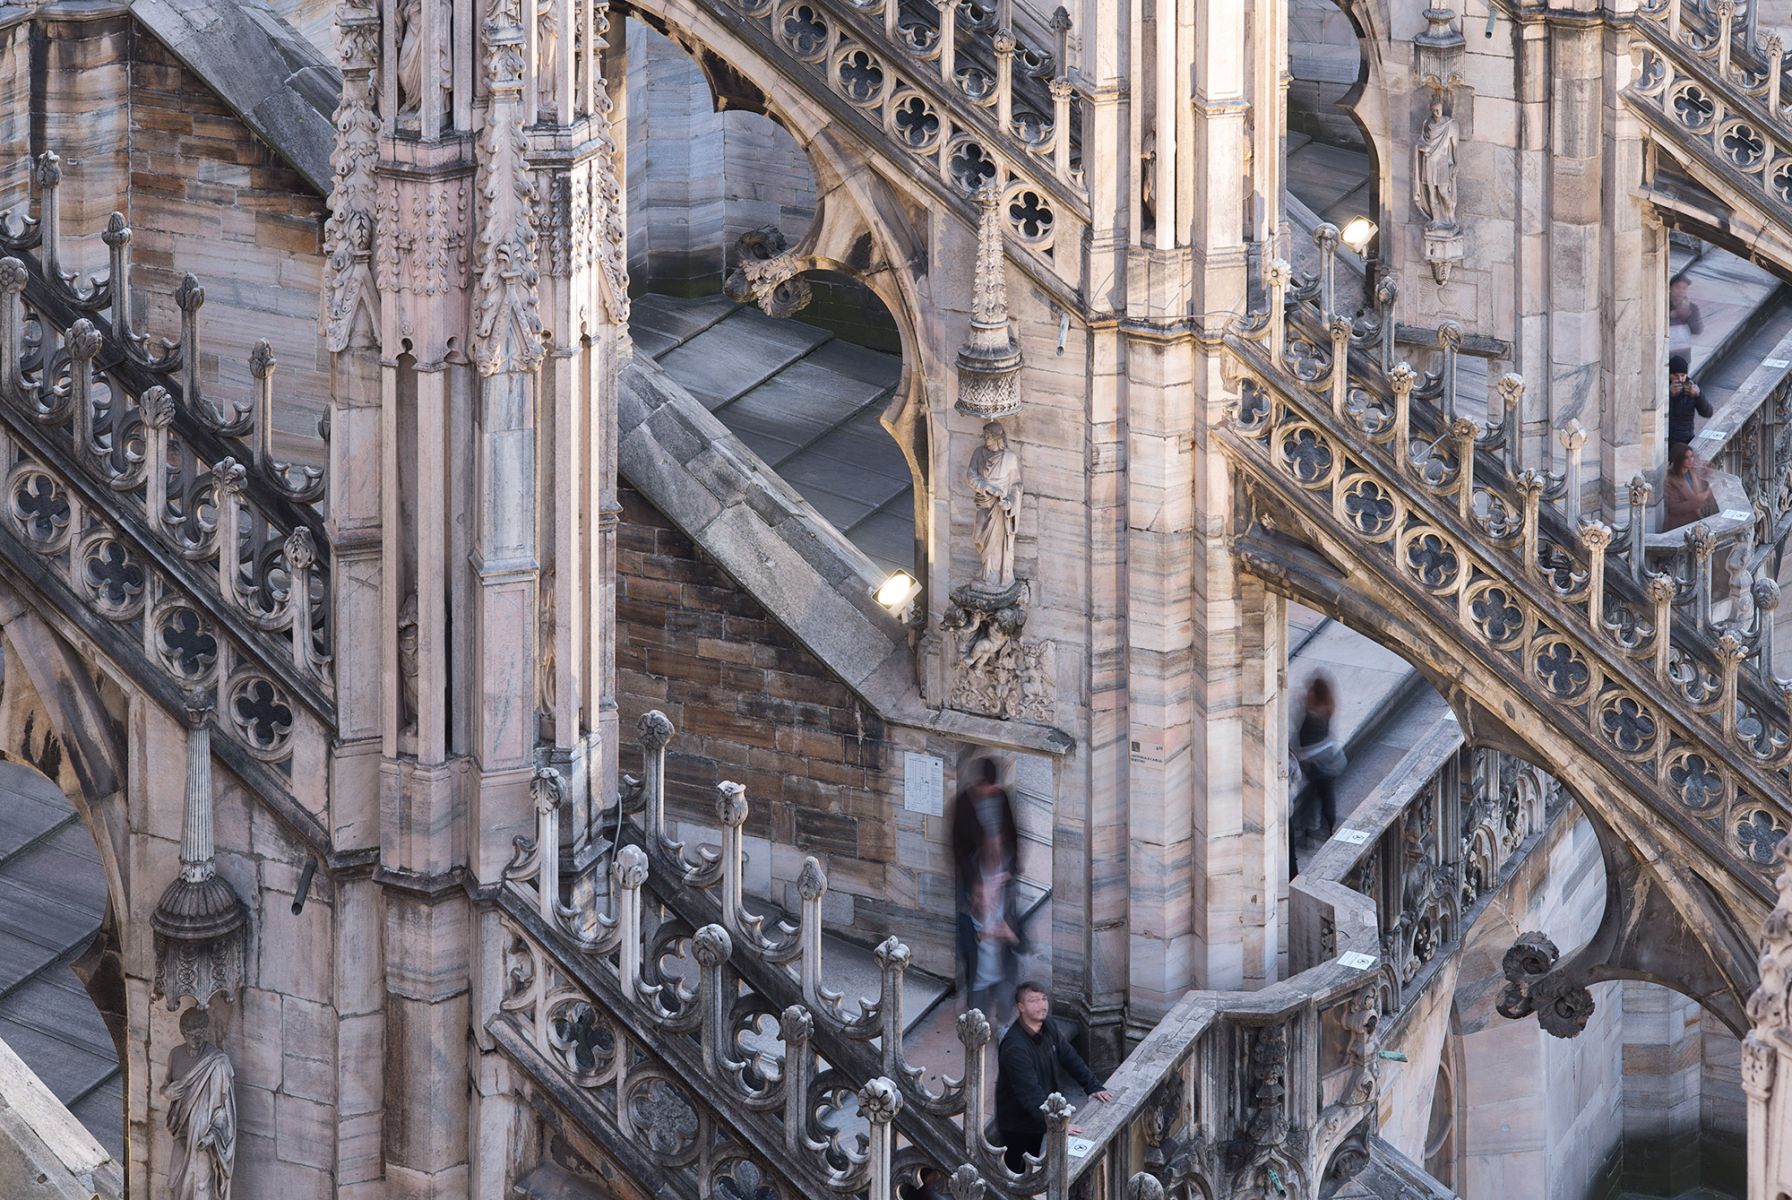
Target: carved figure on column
<point x="996" y="487"/>
<point x="407" y="664"/>
<point x="200" y="1088"/>
<point x="547" y="59"/>
<point x="410" y="57"/>
<point x="506" y="306"/>
<point x="1434" y="165"/>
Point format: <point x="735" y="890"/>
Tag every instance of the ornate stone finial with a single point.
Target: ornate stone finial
<point x="631" y="867"/>
<point x="116" y="232"/>
<point x="712" y="946"/>
<point x="1595" y="535"/>
<point x="1449" y="335"/>
<point x="48" y="171"/>
<point x="1143" y="1187"/>
<point x="879" y="1101"/>
<point x="1776" y="46"/>
<point x="507" y="327"/>
<point x="811" y="882"/>
<point x="1730" y="648"/>
<point x="731" y="804"/>
<point x="1057" y="1110"/>
<point x="989" y="362"/>
<point x="892" y="955"/>
<point x="1661" y="588"/>
<point x="549" y="787"/>
<point x="796" y="1025"/>
<point x="13" y="276"/>
<point x="261" y="359"/>
<point x="199" y="923"/>
<point x="965" y="1183"/>
<point x="301" y="549"/>
<point x="1640" y="491"/>
<point x="1573" y="436"/>
<point x="1326" y="236"/>
<point x="351" y="304"/>
<point x="655" y="729"/>
<point x="1402" y="377"/>
<point x="1387" y="290"/>
<point x="189" y="296"/>
<point x="158" y="408"/>
<point x="1701" y="541"/>
<point x="1766" y="594"/>
<point x="973" y="1029"/>
<point x="200" y="1088"/>
<point x="1060" y="22"/>
<point x="82" y="341"/>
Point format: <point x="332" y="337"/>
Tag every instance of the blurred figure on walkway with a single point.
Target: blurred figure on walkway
<point x="986" y="855"/>
<point x="1034" y="1061"/>
<point x="1684" y="400"/>
<point x="1685" y="492"/>
<point x="1321" y="761"/>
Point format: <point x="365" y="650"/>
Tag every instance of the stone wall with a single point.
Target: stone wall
<point x="698" y="179"/>
<point x="823" y="774"/>
<point x="1685" y="1119"/>
<point x="209" y="197"/>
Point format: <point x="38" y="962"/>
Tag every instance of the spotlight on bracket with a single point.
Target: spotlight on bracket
<point x="897" y="592"/>
<point x="1358" y="233"/>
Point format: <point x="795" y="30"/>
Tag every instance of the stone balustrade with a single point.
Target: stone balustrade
<point x="757" y="1060"/>
<point x="176" y="538"/>
<point x="1446" y="508"/>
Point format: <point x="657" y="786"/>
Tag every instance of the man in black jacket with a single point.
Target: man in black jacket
<point x="1684" y="399"/>
<point x="1033" y="1060"/>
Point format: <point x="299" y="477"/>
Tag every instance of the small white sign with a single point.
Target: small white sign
<point x="1778" y="364"/>
<point x="1735" y="514"/>
<point x="1351" y="837"/>
<point x="1357" y="961"/>
<point x="924" y="784"/>
<point x="1080" y="1147"/>
<point x="1710" y="435"/>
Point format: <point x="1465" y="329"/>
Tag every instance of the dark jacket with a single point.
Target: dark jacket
<point x="1030" y="1069"/>
<point x="1680" y="413"/>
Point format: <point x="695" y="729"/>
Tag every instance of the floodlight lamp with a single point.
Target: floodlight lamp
<point x="1358" y="233"/>
<point x="897" y="592"/>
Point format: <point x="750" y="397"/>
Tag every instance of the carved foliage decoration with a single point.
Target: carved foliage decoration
<point x="507" y="330"/>
<point x="349" y="298"/>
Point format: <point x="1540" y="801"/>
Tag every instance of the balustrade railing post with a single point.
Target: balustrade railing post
<point x="48" y="175"/>
<point x="189" y="297"/>
<point x="1387" y="294"/>
<point x="1058" y="1112"/>
<point x="227" y="479"/>
<point x="1776" y="64"/>
<point x="974" y="1035"/>
<point x="1276" y="275"/>
<point x="948" y="10"/>
<point x="1726" y="24"/>
<point x="1662" y="589"/>
<point x="1061" y="93"/>
<point x="1730" y="652"/>
<point x="157" y="408"/>
<point x="1060" y="25"/>
<point x="1595" y="537"/>
<point x="548" y="788"/>
<point x="892" y="13"/>
<point x="1510" y="388"/>
<point x="117" y="236"/>
<point x="1463" y="431"/>
<point x="1701" y="544"/>
<point x="1672" y="20"/>
<point x="1767" y="599"/>
<point x="301" y="558"/>
<point x="1004" y="47"/>
<point x="879" y="1102"/>
<point x="261" y="366"/>
<point x="1530" y="499"/>
<point x="966" y="1184"/>
<point x="1573" y="438"/>
<point x="655" y="729"/>
<point x="811" y="886"/>
<point x="731" y="813"/>
<point x="1638" y="532"/>
<point x="631" y="873"/>
<point x="82" y="341"/>
<point x="1449" y="340"/>
<point x="711" y="946"/>
<point x="1340" y="330"/>
<point x="796" y="1026"/>
<point x="892" y="962"/>
<point x="13" y="278"/>
<point x="1326" y="238"/>
<point x="1143" y="1187"/>
<point x="1400" y="381"/>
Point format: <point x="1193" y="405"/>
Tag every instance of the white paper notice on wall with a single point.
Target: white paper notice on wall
<point x="1778" y="364"/>
<point x="1735" y="514"/>
<point x="1080" y="1147"/>
<point x="924" y="784"/>
<point x="1353" y="837"/>
<point x="1357" y="961"/>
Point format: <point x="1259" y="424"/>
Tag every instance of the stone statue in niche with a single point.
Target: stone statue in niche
<point x="547" y="59"/>
<point x="201" y="1092"/>
<point x="411" y="82"/>
<point x="407" y="664"/>
<point x="997" y="673"/>
<point x="1434" y="166"/>
<point x="996" y="486"/>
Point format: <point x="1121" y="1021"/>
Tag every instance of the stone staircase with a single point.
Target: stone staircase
<point x="806" y="402"/>
<point x="52" y="899"/>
